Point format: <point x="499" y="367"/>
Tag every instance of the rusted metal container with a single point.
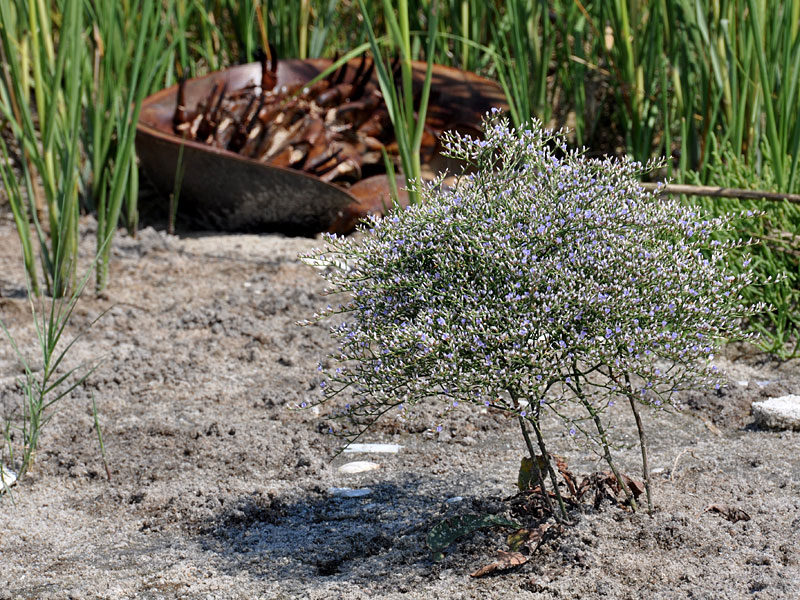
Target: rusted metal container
<point x="222" y="190"/>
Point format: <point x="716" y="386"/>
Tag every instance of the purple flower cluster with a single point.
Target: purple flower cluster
<point x="540" y="274"/>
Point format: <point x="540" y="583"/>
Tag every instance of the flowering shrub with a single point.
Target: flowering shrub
<point x="540" y="281"/>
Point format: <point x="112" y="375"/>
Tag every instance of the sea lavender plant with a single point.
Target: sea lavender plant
<point x="540" y="281"/>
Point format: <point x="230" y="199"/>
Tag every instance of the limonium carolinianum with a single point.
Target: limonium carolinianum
<point x="541" y="280"/>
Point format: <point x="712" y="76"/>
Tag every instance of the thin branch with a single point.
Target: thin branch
<point x="719" y="192"/>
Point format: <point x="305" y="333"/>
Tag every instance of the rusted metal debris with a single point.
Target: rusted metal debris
<point x="262" y="150"/>
<point x="334" y="129"/>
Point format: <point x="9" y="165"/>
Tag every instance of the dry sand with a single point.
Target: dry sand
<point x="218" y="490"/>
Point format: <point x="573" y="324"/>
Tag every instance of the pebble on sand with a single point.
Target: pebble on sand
<point x="359" y="466"/>
<point x="778" y="413"/>
<point x="346" y="492"/>
<point x="377" y="448"/>
<point x="7" y="478"/>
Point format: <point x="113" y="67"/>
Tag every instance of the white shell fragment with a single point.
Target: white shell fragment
<point x="778" y="413"/>
<point x="376" y="448"/>
<point x="346" y="492"/>
<point x="359" y="466"/>
<point x="7" y="478"/>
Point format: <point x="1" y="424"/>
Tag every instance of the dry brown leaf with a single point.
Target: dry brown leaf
<point x="527" y="537"/>
<point x="584" y="487"/>
<point x="731" y="513"/>
<point x="605" y="485"/>
<point x="505" y="561"/>
<point x="537" y="535"/>
<point x="636" y="487"/>
<point x="561" y="464"/>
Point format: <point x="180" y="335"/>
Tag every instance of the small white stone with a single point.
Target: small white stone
<point x="7" y="478"/>
<point x="454" y="499"/>
<point x="377" y="448"/>
<point x="743" y="382"/>
<point x="346" y="492"/>
<point x="778" y="413"/>
<point x="657" y="471"/>
<point x="359" y="466"/>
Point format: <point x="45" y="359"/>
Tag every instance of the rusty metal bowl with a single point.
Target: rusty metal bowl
<point x="222" y="190"/>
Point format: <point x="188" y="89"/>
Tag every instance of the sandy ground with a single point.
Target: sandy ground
<point x="218" y="490"/>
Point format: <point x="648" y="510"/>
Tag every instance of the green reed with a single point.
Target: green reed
<point x="40" y="100"/>
<point x="76" y="137"/>
<point x="129" y="48"/>
<point x="745" y="55"/>
<point x="406" y="111"/>
<point x="779" y="237"/>
<point x="46" y="385"/>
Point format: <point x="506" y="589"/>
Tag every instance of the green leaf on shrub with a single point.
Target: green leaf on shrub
<point x="447" y="531"/>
